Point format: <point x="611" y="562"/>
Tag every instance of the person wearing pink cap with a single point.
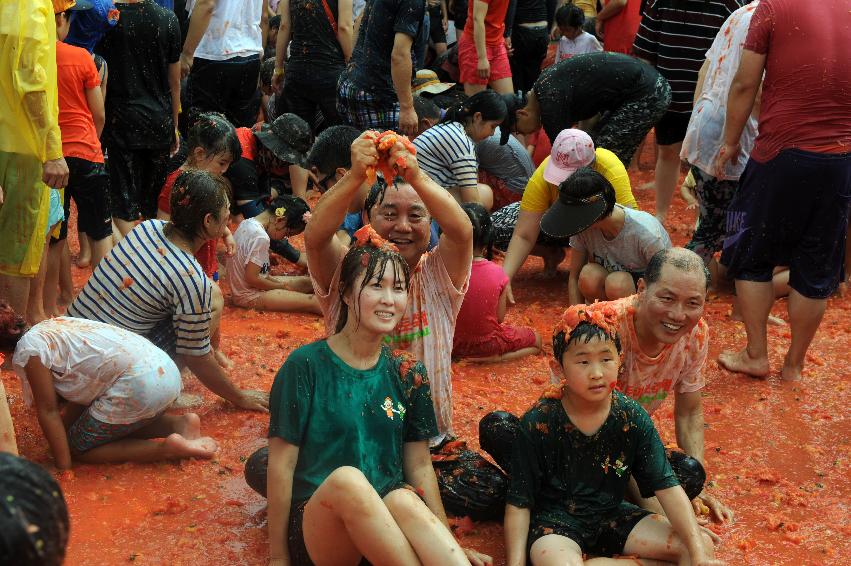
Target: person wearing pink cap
<point x="518" y="225"/>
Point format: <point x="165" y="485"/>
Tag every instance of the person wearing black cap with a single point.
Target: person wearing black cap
<point x="610" y="244"/>
<point x="272" y="163"/>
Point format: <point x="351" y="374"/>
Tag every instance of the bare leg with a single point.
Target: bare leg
<point x="508" y="356"/>
<point x="123" y="226"/>
<point x="99" y="250"/>
<point x="503" y="86"/>
<point x="756" y="299"/>
<point x="66" y="284"/>
<point x="347" y="510"/>
<point x="619" y="284"/>
<point x="804" y="317"/>
<point x="592" y="281"/>
<point x="35" y="305"/>
<point x="287" y="301"/>
<point x="471" y="89"/>
<point x="85" y="257"/>
<point x="667" y="173"/>
<point x="654" y="538"/>
<point x="485" y="195"/>
<point x="297" y="283"/>
<point x="555" y="550"/>
<point x="15" y="290"/>
<point x="53" y="266"/>
<point x="439" y="48"/>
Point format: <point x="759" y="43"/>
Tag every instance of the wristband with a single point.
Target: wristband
<point x="277" y="72"/>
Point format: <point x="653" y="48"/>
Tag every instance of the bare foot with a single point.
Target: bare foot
<point x="741" y="362"/>
<point x="791" y="372"/>
<point x="179" y="447"/>
<point x="189" y="427"/>
<point x="222" y="359"/>
<point x="772" y="320"/>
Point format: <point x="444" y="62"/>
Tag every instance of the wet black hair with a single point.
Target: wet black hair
<point x="196" y="194"/>
<point x="295" y="209"/>
<point x="376" y="265"/>
<point x="570" y="15"/>
<point x="585" y="332"/>
<point x="513" y="102"/>
<point x="267" y="69"/>
<point x="490" y="104"/>
<point x="34" y="521"/>
<point x="275" y="21"/>
<point x="12" y="327"/>
<point x="426" y="108"/>
<point x="377" y="192"/>
<point x="586" y="182"/>
<point x="215" y="135"/>
<point x="482" y="227"/>
<point x="332" y="149"/>
<point x="682" y="259"/>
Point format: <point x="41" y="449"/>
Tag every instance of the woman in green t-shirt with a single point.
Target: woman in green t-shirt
<point x="348" y="437"/>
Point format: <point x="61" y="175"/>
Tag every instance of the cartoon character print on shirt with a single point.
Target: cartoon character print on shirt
<point x="387" y="407"/>
<point x="618" y="466"/>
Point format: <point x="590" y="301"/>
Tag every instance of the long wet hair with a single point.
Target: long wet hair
<point x="372" y="261"/>
<point x="482" y="227"/>
<point x="12" y="327"/>
<point x="215" y="135"/>
<point x="196" y="194"/>
<point x="490" y="104"/>
<point x="33" y="515"/>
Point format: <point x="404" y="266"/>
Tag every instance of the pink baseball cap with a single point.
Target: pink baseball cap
<point x="572" y="149"/>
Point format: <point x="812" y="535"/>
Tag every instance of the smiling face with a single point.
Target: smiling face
<point x="403" y="219"/>
<point x="590" y="369"/>
<point x="670" y="308"/>
<point x="377" y="305"/>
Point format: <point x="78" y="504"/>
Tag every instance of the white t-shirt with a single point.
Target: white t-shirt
<point x="252" y="246"/>
<point x="121" y="375"/>
<point x="705" y="133"/>
<point x="426" y="329"/>
<point x="639" y="240"/>
<point x="234" y="30"/>
<point x="584" y="43"/>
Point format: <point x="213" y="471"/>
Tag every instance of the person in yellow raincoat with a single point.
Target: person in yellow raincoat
<point x="30" y="142"/>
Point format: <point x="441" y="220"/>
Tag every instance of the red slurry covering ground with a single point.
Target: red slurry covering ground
<point x="777" y="452"/>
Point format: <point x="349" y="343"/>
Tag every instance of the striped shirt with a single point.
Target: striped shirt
<point x="447" y="154"/>
<point x="146" y="280"/>
<point x="674" y="36"/>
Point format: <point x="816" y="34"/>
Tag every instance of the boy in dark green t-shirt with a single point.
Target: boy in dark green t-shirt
<point x="575" y="452"/>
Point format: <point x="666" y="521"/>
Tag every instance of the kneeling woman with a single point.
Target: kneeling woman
<point x="117" y="386"/>
<point x="350" y="423"/>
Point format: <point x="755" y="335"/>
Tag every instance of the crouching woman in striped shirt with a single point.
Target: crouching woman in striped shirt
<point x="151" y="284"/>
<point x="447" y="151"/>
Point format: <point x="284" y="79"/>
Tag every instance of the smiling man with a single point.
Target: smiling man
<point x="665" y="342"/>
<point x="439" y="278"/>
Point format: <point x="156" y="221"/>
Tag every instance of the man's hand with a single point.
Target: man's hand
<point x="718" y="512"/>
<point x="411" y="170"/>
<point x="185" y="64"/>
<point x="55" y="173"/>
<point x="476" y="558"/>
<point x="278" y="80"/>
<point x="726" y="153"/>
<point x="408" y="121"/>
<point x="445" y="24"/>
<point x="364" y="155"/>
<point x="483" y="69"/>
<point x="252" y="400"/>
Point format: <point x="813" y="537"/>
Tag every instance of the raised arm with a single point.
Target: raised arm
<point x="456" y="242"/>
<point x="324" y="251"/>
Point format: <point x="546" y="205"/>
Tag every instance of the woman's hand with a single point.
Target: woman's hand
<point x="252" y="400"/>
<point x="718" y="512"/>
<point x="483" y="69"/>
<point x="477" y="558"/>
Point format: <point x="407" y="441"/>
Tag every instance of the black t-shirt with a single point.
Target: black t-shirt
<point x="584" y="85"/>
<point x="369" y="68"/>
<point x="315" y="52"/>
<point x="139" y="50"/>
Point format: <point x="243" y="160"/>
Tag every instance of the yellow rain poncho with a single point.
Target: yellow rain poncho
<point x="29" y="129"/>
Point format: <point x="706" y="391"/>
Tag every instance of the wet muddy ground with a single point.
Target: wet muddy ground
<point x="777" y="452"/>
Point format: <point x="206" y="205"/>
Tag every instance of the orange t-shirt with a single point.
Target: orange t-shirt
<point x="206" y="256"/>
<point x="494" y="21"/>
<point x="76" y="73"/>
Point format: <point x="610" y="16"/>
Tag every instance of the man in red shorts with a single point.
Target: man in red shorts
<point x="793" y="199"/>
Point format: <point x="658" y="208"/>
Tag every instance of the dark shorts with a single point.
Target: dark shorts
<point x="672" y="128"/>
<point x="605" y="536"/>
<point x="87" y="432"/>
<point x="623" y="129"/>
<point x="791" y="210"/>
<point x="136" y="177"/>
<point x="228" y="86"/>
<point x="362" y="110"/>
<point x="88" y="185"/>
